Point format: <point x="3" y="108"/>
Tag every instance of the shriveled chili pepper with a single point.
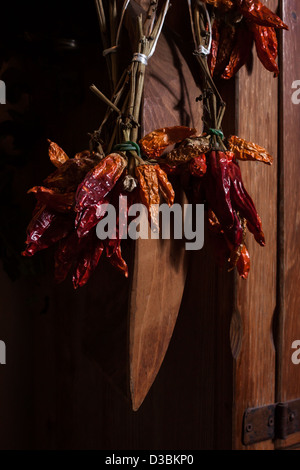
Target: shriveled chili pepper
<point x="226" y="45"/>
<point x="197" y="166"/>
<point x="258" y="13"/>
<point x="264" y="41"/>
<point x="56" y="154"/>
<point x="149" y="190"/>
<point x="87" y="261"/>
<point x="170" y="168"/>
<point x="223" y="4"/>
<point x="165" y="186"/>
<point x="212" y="58"/>
<point x="152" y="180"/>
<point x="86" y="220"/>
<point x="243" y="264"/>
<point x="217" y="188"/>
<point x="244" y="150"/>
<point x="46" y="228"/>
<point x="154" y="143"/>
<point x="241" y="259"/>
<point x="100" y="181"/>
<point x="244" y="204"/>
<point x="68" y="176"/>
<point x="188" y="149"/>
<point x="122" y="201"/>
<point x="118" y="262"/>
<point x="84" y="254"/>
<point x="53" y="198"/>
<point x="240" y="53"/>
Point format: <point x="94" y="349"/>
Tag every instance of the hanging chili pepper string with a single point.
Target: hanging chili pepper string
<point x="199" y="18"/>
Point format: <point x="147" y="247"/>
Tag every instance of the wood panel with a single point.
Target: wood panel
<point x="288" y="379"/>
<point x="254" y="371"/>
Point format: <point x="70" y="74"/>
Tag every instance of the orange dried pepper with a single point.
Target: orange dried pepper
<point x="149" y="190"/>
<point x="243" y="264"/>
<point x="225" y="4"/>
<point x="154" y="144"/>
<point x="244" y="150"/>
<point x="56" y="154"/>
<point x="165" y="186"/>
<point x="152" y="180"/>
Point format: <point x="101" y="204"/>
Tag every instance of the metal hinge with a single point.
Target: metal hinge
<point x="276" y="421"/>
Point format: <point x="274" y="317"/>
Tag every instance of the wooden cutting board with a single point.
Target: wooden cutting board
<point x="160" y="266"/>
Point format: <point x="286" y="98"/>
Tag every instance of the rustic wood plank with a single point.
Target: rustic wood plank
<point x="288" y="379"/>
<point x="254" y="381"/>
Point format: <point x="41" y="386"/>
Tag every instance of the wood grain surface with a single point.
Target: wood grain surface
<point x="288" y="379"/>
<point x="254" y="371"/>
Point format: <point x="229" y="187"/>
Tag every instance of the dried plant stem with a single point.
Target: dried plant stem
<point x="127" y="122"/>
<point x="113" y="34"/>
<point x="104" y="36"/>
<point x="102" y="97"/>
<point x="213" y="101"/>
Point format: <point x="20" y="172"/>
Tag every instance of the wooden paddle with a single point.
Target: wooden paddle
<point x="160" y="267"/>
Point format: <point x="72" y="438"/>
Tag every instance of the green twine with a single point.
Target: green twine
<point x="128" y="146"/>
<point x="216" y="132"/>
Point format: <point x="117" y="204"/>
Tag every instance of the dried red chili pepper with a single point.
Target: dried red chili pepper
<point x="90" y="217"/>
<point x="197" y="166"/>
<point x="244" y="204"/>
<point x="99" y="181"/>
<point x="68" y="176"/>
<point x="87" y="261"/>
<point x="239" y="259"/>
<point x="118" y="262"/>
<point x="240" y="53"/>
<point x="169" y="168"/>
<point x="53" y="198"/>
<point x="226" y="45"/>
<point x="217" y="188"/>
<point x="212" y="58"/>
<point x="83" y="253"/>
<point x="258" y="13"/>
<point x="154" y="143"/>
<point x="45" y="229"/>
<point x="266" y="46"/>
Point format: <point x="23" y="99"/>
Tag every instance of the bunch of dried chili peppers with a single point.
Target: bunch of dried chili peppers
<point x="237" y="24"/>
<point x="74" y="198"/>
